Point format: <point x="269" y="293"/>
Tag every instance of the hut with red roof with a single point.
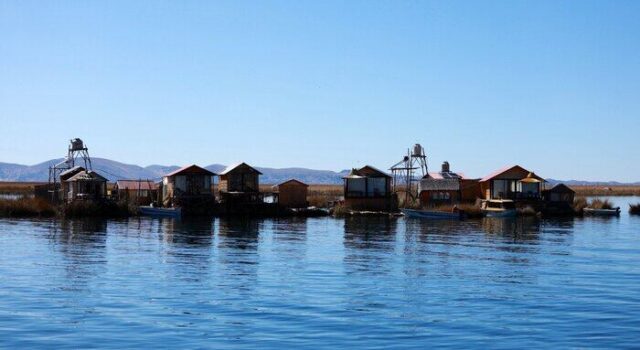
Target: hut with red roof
<point x="512" y="182"/>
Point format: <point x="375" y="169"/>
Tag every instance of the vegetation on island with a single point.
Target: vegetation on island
<point x="598" y="203"/>
<point x="37" y="207"/>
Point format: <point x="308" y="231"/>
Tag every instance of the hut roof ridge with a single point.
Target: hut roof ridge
<point x="178" y="171"/>
<point x="235" y="165"/>
<point x="293" y="180"/>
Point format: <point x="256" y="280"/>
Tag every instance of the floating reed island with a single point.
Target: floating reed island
<point x="76" y="189"/>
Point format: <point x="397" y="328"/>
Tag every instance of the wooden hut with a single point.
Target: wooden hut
<point x="85" y="185"/>
<point x="514" y="182"/>
<point x="559" y="193"/>
<point x="64" y="185"/>
<point x="292" y="194"/>
<point x="239" y="178"/>
<point x="188" y="185"/>
<point x="140" y="192"/>
<point x="368" y="188"/>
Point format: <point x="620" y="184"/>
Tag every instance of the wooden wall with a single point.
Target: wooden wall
<point x="293" y="195"/>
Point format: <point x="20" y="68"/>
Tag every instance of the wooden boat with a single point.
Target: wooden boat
<point x="433" y="214"/>
<point x="499" y="208"/>
<point x="602" y="212"/>
<point x="163" y="212"/>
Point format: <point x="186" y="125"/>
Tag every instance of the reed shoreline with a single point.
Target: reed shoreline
<point x="335" y="190"/>
<point x="319" y="196"/>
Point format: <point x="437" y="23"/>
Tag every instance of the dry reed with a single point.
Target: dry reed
<point x="26" y="207"/>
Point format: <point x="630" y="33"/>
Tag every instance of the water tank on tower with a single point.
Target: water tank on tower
<point x="77" y="144"/>
<point x="417" y="150"/>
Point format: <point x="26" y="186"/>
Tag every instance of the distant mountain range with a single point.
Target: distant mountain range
<point x="592" y="183"/>
<point x="113" y="170"/>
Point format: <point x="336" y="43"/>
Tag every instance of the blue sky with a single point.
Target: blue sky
<point x="551" y="85"/>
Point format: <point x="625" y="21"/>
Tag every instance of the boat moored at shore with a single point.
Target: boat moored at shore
<point x="160" y="212"/>
<point x="433" y="214"/>
<point x="602" y="212"/>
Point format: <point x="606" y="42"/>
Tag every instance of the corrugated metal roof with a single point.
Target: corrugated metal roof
<point x="87" y="176"/>
<point x="71" y="171"/>
<point x="449" y="175"/>
<point x="233" y="166"/>
<point x="192" y="167"/>
<point x="136" y="185"/>
<point x="439" y="184"/>
<point x="505" y="169"/>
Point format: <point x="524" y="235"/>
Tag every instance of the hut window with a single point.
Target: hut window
<point x="500" y="188"/>
<point x="531" y="188"/>
<point x="356" y="187"/>
<point x="376" y="186"/>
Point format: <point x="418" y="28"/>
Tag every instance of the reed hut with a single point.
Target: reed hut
<point x="187" y="186"/>
<point x="292" y="194"/>
<point x="368" y="189"/>
<point x="85" y="185"/>
<point x="559" y="193"/>
<point x="513" y="182"/>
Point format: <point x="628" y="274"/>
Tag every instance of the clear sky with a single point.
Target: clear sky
<point x="550" y="85"/>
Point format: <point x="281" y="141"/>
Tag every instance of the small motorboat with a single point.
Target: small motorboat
<point x="499" y="208"/>
<point x="433" y="214"/>
<point x="163" y="212"/>
<point x="602" y="212"/>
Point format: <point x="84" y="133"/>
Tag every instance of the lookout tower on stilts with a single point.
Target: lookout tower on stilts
<point x="408" y="172"/>
<point x="77" y="153"/>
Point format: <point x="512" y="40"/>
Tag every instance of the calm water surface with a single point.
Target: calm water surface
<point x="320" y="283"/>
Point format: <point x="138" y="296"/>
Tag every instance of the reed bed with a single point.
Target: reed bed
<point x="607" y="190"/>
<point x="321" y="195"/>
<point x="26" y="207"/>
<point x="579" y="203"/>
<point x="7" y="187"/>
<point x="38" y="207"/>
<point x="601" y="204"/>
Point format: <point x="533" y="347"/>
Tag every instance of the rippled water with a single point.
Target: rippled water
<point x="320" y="283"/>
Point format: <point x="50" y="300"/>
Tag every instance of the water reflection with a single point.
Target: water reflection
<point x="82" y="245"/>
<point x="370" y="232"/>
<point x="289" y="229"/>
<point x="238" y="233"/>
<point x="516" y="229"/>
<point x="197" y="232"/>
<point x="354" y="283"/>
<point x="369" y="243"/>
<point x="238" y="254"/>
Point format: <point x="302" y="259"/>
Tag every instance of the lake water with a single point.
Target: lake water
<point x="321" y="283"/>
